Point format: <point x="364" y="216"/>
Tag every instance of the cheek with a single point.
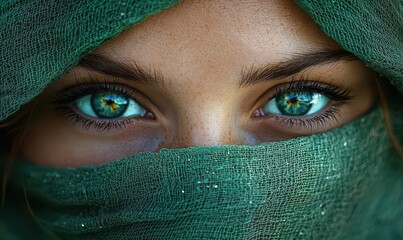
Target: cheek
<point x="57" y="144"/>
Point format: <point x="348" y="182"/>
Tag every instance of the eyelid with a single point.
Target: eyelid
<point x="327" y="117"/>
<point x="338" y="93"/>
<point x="90" y="85"/>
<point x="335" y="92"/>
<point x="64" y="103"/>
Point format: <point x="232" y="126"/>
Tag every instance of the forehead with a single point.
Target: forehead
<point x="219" y="35"/>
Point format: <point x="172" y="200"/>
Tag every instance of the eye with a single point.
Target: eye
<point x="295" y="103"/>
<point x="109" y="105"/>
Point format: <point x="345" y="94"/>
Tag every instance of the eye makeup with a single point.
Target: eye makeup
<point x="337" y="95"/>
<point x="66" y="100"/>
<point x="325" y="117"/>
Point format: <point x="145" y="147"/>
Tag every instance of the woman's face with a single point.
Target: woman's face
<point x="200" y="73"/>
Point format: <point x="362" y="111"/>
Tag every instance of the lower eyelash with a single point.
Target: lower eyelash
<point x="86" y="123"/>
<point x="332" y="114"/>
<point x="337" y="93"/>
<point x="66" y="98"/>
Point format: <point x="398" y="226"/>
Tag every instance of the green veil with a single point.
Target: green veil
<point x="346" y="183"/>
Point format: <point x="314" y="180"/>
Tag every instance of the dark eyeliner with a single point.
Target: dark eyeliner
<point x="65" y="99"/>
<point x="336" y="93"/>
<point x="86" y="123"/>
<point x="319" y="120"/>
<point x="70" y="93"/>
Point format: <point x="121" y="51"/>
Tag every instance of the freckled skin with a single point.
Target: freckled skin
<point x="200" y="48"/>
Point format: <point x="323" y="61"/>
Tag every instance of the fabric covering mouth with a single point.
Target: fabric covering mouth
<point x="306" y="187"/>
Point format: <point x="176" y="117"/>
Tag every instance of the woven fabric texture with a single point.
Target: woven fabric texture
<point x="342" y="184"/>
<point x="372" y="30"/>
<point x="302" y="188"/>
<point x="42" y="39"/>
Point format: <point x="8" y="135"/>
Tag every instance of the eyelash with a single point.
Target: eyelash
<point x="337" y="93"/>
<point x="70" y="94"/>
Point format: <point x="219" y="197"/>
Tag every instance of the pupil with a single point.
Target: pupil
<point x="294" y="103"/>
<point x="294" y="99"/>
<point x="109" y="105"/>
<point x="109" y="102"/>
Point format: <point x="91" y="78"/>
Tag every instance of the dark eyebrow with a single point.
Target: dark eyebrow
<point x="295" y="65"/>
<point x="128" y="70"/>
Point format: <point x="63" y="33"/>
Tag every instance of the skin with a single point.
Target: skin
<point x="200" y="49"/>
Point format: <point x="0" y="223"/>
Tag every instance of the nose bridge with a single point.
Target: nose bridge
<point x="206" y="126"/>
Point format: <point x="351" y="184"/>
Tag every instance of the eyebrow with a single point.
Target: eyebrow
<point x="128" y="70"/>
<point x="296" y="64"/>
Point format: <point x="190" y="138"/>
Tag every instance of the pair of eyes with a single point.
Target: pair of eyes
<point x="112" y="105"/>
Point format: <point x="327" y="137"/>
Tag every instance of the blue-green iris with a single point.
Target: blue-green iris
<point x="294" y="103"/>
<point x="109" y="105"/>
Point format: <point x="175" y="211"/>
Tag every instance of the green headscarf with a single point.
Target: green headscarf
<point x="345" y="183"/>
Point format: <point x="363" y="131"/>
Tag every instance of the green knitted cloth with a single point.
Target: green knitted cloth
<point x="345" y="183"/>
<point x="371" y="29"/>
<point x="309" y="187"/>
